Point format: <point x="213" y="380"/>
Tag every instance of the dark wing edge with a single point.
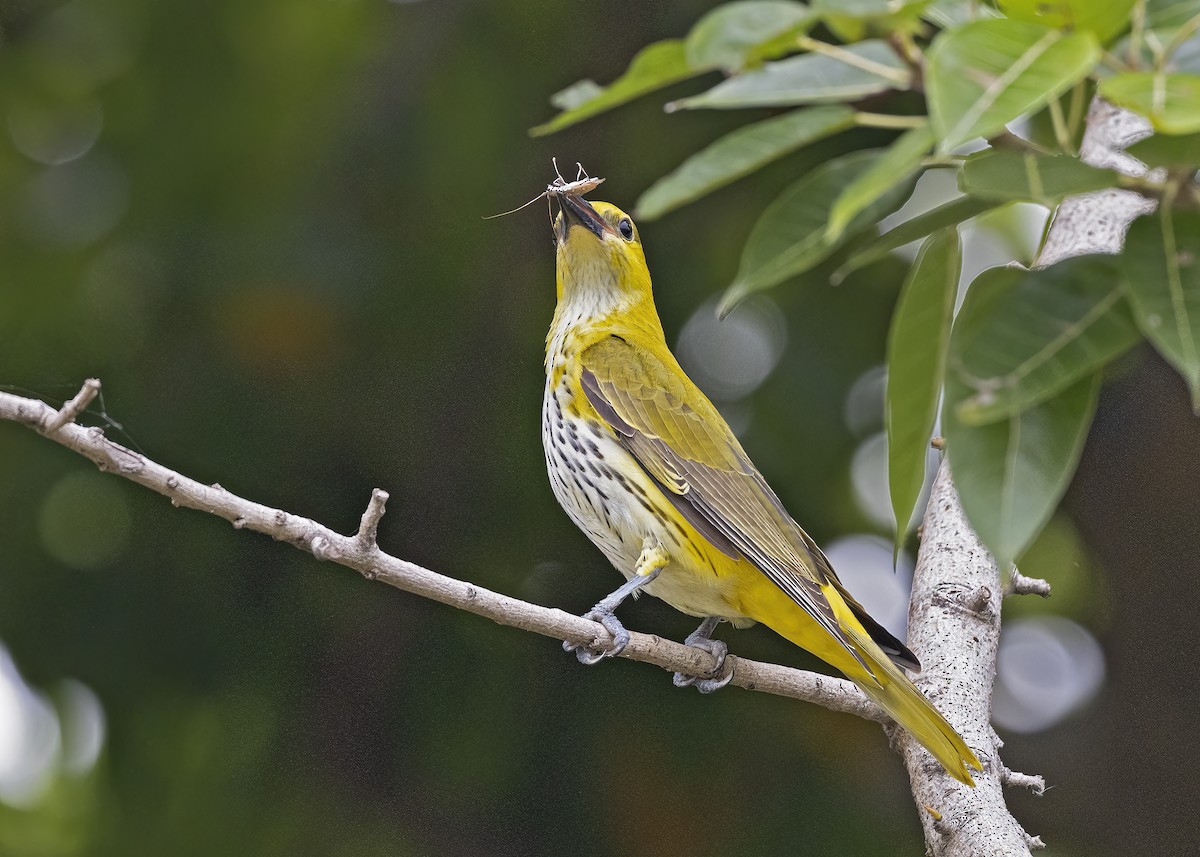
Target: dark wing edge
<point x="697" y="486"/>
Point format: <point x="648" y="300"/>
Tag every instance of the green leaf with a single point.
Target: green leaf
<point x="897" y="164"/>
<point x="985" y="74"/>
<point x="947" y="214"/>
<point x="808" y="79"/>
<point x="1160" y="271"/>
<point x="853" y="20"/>
<point x="655" y="66"/>
<point x="1165" y="150"/>
<point x="1006" y="175"/>
<point x="1105" y="18"/>
<point x="740" y="153"/>
<point x="916" y="359"/>
<point x="1011" y="474"/>
<point x="789" y="237"/>
<point x="736" y="34"/>
<point x="1043" y="330"/>
<point x="1161" y="48"/>
<point x="579" y="92"/>
<point x="1170" y="101"/>
<point x="948" y="14"/>
<point x="1171" y="13"/>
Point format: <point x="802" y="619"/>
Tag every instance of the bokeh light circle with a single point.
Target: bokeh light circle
<point x="865" y="402"/>
<point x="75" y="204"/>
<point x="1048" y="667"/>
<point x="83" y="726"/>
<point x="729" y="359"/>
<point x="85" y="520"/>
<point x="869" y="477"/>
<point x="54" y="134"/>
<point x="864" y="564"/>
<point x="30" y="740"/>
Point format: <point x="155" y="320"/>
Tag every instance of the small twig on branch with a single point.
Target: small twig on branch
<point x="1019" y="584"/>
<point x="360" y="553"/>
<point x="1033" y="782"/>
<point x="368" y="527"/>
<point x="72" y="409"/>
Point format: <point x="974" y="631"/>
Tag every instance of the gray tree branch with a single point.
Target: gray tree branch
<point x="361" y="553"/>
<point x="954" y="615"/>
<point x="954" y="628"/>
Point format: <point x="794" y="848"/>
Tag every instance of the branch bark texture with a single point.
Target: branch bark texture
<point x="954" y="628"/>
<point x="1097" y="222"/>
<point x="361" y="553"/>
<point x="954" y="615"/>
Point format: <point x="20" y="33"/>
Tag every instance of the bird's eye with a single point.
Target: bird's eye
<point x="626" y="229"/>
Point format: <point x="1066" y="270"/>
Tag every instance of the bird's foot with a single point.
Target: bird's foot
<point x="701" y="639"/>
<point x="605" y="611"/>
<point x="588" y="655"/>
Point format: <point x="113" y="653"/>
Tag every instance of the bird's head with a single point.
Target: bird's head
<point x="600" y="260"/>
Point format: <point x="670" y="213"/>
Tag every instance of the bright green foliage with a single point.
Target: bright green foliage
<point x="1011" y="474"/>
<point x="852" y="20"/>
<point x="948" y="214"/>
<point x="1171" y="13"/>
<point x="1005" y="175"/>
<point x="986" y="74"/>
<point x="1104" y="18"/>
<point x="808" y="79"/>
<point x="1166" y="150"/>
<point x="738" y="34"/>
<point x="730" y="37"/>
<point x="791" y="236"/>
<point x="1045" y="329"/>
<point x="659" y="65"/>
<point x="892" y="169"/>
<point x="1170" y="101"/>
<point x="1018" y="370"/>
<point x="740" y="153"/>
<point x="916" y="357"/>
<point x="1161" y="273"/>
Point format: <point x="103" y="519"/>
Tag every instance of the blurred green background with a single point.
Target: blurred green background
<point x="260" y="225"/>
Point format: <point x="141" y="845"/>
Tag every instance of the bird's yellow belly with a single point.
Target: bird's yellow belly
<point x="608" y="496"/>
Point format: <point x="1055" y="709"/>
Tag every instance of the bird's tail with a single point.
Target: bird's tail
<point x="888" y="686"/>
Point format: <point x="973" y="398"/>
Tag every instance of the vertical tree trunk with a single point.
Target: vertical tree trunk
<point x="954" y="616"/>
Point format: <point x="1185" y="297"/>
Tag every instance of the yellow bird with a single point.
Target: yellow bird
<point x="646" y="467"/>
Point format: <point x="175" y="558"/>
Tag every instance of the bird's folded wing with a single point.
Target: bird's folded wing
<point x="681" y="441"/>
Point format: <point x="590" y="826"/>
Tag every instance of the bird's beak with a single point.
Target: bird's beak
<point x="576" y="211"/>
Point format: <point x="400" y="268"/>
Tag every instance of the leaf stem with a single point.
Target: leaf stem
<point x="1145" y="186"/>
<point x="1136" y="29"/>
<point x="911" y="55"/>
<point x="887" y="72"/>
<point x="1061" y="134"/>
<point x="888" y="120"/>
<point x="945" y="162"/>
<point x="1181" y="35"/>
<point x="1114" y="63"/>
<point x="1009" y="140"/>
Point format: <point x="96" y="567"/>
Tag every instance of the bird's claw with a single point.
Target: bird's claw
<point x="620" y="639"/>
<point x="719" y="677"/>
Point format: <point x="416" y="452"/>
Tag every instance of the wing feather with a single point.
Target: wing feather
<point x="680" y="440"/>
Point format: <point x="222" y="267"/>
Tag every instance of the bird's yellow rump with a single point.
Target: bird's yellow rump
<point x="646" y="467"/>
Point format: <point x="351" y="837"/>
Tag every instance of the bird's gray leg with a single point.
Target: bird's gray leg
<point x="650" y="564"/>
<point x="702" y="639"/>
